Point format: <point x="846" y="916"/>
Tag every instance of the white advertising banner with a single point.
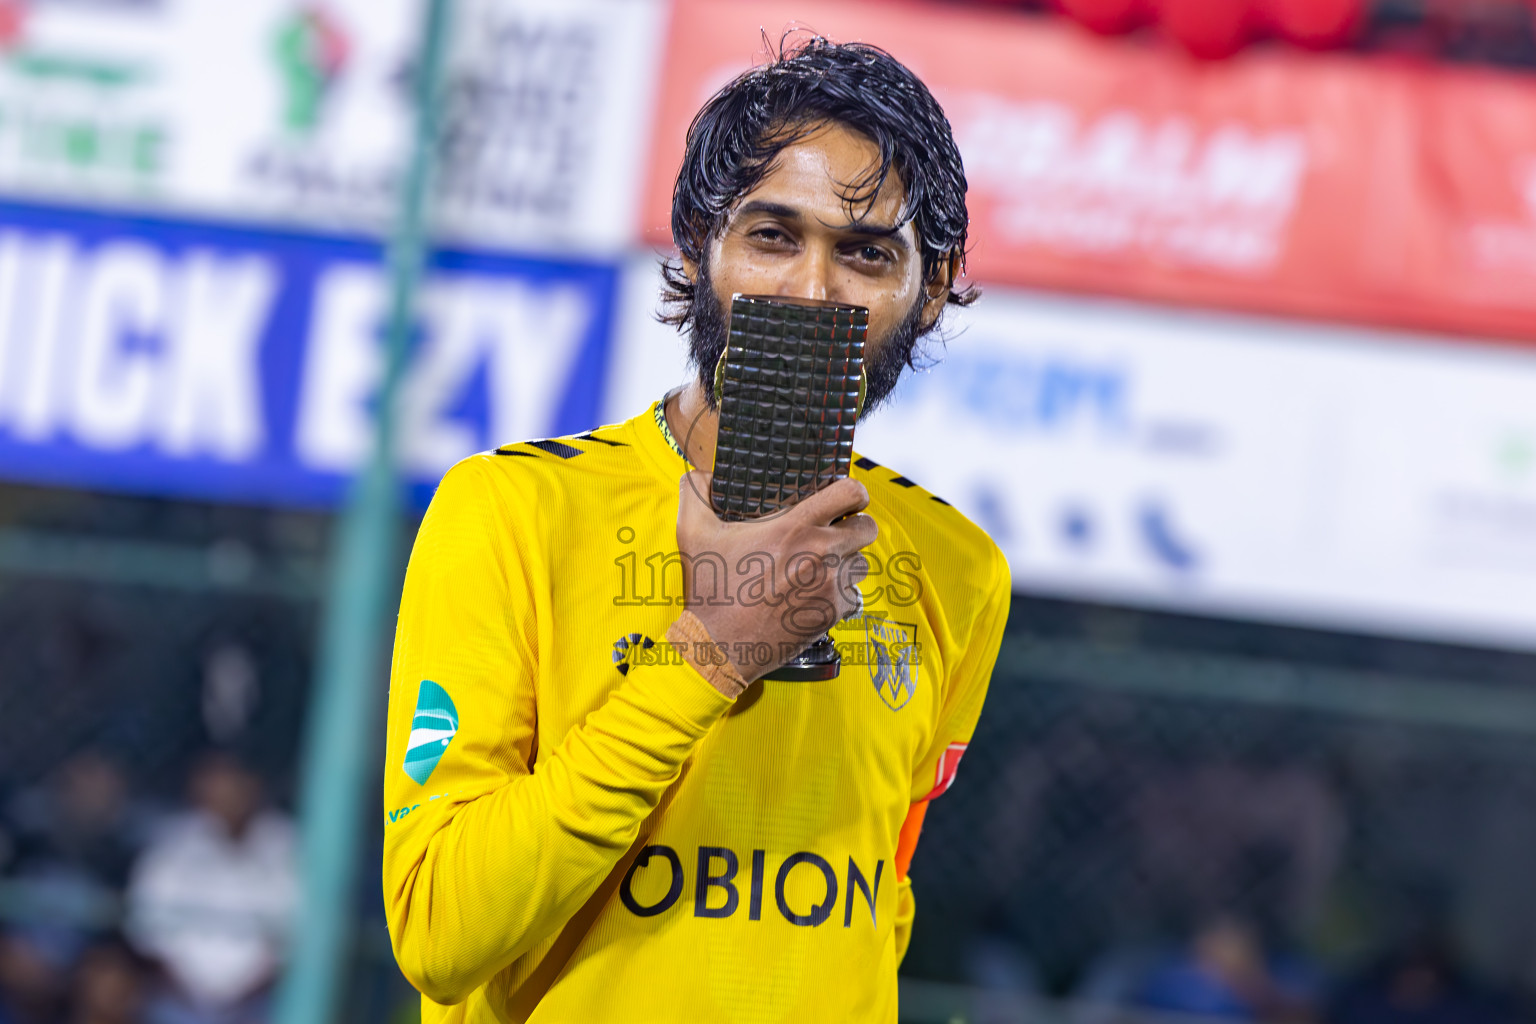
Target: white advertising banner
<point x="1235" y="467"/>
<point x="87" y="99"/>
<point x="297" y="111"/>
<point x="1218" y="465"/>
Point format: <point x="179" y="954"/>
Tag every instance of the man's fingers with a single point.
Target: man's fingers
<point x="850" y="599"/>
<point x="853" y="604"/>
<point x="842" y="498"/>
<point x="853" y="534"/>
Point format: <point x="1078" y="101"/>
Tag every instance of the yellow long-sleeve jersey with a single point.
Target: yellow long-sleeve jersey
<point x="580" y="828"/>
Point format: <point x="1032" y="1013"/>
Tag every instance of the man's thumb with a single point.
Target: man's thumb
<point x="693" y="494"/>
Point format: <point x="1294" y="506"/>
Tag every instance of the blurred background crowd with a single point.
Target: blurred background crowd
<point x="1249" y="402"/>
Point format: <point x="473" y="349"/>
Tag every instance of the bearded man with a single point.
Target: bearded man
<point x="601" y="810"/>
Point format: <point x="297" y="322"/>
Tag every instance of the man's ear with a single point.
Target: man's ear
<point x="690" y="270"/>
<point x="937" y="290"/>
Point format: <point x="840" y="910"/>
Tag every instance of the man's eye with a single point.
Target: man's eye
<point x="770" y="235"/>
<point x="872" y="254"/>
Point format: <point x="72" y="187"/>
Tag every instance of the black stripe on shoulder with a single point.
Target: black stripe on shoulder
<point x="866" y="463"/>
<point x="901" y="481"/>
<point x="521" y="455"/>
<point x="565" y="451"/>
<point x="602" y="440"/>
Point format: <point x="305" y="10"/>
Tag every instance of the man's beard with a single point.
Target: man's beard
<point x="710" y="329"/>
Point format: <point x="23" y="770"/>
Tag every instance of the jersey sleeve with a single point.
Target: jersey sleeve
<point x="966" y="686"/>
<point x="484" y="858"/>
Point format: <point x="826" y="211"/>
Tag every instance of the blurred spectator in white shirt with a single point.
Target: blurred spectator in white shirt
<point x="213" y="897"/>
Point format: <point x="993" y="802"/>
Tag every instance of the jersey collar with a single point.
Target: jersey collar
<point x="659" y="414"/>
<point x="652" y="436"/>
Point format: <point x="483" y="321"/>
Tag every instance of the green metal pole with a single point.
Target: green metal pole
<point x="341" y="732"/>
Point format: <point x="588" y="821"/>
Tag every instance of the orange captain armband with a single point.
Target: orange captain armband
<point x="906" y="842"/>
<point x="912" y="827"/>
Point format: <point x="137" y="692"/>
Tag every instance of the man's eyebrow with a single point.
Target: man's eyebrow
<point x="783" y="212"/>
<point x="771" y="209"/>
<point x="891" y="233"/>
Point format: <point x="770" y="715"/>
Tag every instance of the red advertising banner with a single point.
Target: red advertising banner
<point x="1333" y="186"/>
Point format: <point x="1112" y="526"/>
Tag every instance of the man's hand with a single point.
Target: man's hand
<point x="764" y="589"/>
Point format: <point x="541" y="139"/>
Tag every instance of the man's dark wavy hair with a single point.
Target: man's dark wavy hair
<point x="743" y="128"/>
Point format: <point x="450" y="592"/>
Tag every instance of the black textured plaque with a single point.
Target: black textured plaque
<point x="789" y="391"/>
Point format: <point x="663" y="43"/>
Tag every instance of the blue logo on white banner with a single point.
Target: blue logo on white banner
<point x="209" y="361"/>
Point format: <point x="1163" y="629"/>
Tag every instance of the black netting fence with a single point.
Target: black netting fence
<point x="1166" y="814"/>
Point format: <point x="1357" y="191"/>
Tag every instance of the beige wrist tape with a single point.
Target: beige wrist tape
<point x="692" y="637"/>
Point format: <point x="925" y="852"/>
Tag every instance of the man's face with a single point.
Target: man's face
<point x="796" y="236"/>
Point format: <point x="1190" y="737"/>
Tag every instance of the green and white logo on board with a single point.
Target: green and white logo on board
<point x="432" y="728"/>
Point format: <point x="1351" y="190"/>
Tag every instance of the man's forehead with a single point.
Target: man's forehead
<point x="829" y="175"/>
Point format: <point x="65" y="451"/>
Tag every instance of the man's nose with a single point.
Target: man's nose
<point x="811" y="276"/>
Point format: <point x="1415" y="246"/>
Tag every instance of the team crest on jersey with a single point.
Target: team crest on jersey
<point x="891" y="654"/>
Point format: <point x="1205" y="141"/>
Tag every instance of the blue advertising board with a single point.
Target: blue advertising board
<point x="200" y="360"/>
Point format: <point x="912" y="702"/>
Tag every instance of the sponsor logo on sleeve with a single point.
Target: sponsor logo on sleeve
<point x="433" y="727"/>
